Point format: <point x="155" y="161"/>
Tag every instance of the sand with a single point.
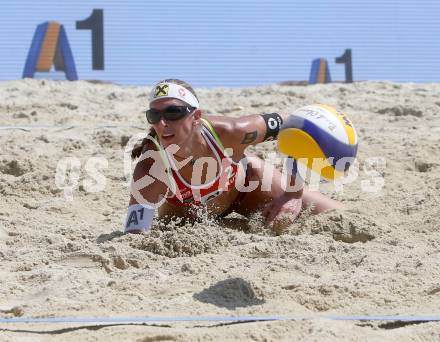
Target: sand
<point x="61" y="257"/>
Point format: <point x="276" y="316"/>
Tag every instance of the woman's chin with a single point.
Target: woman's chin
<point x="168" y="140"/>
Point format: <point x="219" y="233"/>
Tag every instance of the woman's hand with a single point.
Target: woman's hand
<point x="282" y="211"/>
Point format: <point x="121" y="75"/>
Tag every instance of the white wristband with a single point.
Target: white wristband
<point x="139" y="217"/>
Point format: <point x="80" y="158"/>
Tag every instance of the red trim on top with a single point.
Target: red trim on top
<point x="187" y="196"/>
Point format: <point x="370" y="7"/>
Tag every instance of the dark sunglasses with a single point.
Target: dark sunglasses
<point x="170" y="113"/>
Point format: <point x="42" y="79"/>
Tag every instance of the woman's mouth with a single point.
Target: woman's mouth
<point x="167" y="136"/>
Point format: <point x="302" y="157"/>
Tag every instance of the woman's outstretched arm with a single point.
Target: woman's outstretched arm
<point x="147" y="189"/>
<point x="248" y="130"/>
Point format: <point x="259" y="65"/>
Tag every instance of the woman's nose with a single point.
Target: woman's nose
<point x="162" y="122"/>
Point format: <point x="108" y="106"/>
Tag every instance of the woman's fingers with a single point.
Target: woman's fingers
<point x="282" y="213"/>
<point x="267" y="209"/>
<point x="270" y="217"/>
<point x="272" y="213"/>
<point x="289" y="210"/>
<point x="277" y="209"/>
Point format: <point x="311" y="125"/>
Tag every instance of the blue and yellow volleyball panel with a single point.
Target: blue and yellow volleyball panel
<point x="50" y="46"/>
<point x="319" y="72"/>
<point x="319" y="136"/>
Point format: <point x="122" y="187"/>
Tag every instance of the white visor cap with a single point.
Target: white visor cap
<point x="173" y="91"/>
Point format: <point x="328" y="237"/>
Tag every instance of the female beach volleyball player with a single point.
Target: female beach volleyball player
<point x="189" y="159"/>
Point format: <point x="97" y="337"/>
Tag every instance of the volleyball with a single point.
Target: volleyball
<point x="322" y="138"/>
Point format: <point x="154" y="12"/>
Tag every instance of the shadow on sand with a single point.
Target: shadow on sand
<point x="108" y="237"/>
<point x="230" y="293"/>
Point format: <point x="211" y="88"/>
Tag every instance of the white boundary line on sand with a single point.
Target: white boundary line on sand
<point x="29" y="128"/>
<point x="147" y="319"/>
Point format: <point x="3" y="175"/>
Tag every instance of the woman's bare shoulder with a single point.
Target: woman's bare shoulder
<point x="225" y="127"/>
<point x="222" y="124"/>
<point x="149" y="178"/>
<point x="150" y="160"/>
<point x="238" y="131"/>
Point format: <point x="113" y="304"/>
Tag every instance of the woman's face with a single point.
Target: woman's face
<point x="174" y="132"/>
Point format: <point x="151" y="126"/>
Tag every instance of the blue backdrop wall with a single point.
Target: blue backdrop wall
<point x="234" y="43"/>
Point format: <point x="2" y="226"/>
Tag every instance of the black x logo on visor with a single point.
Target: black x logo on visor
<point x="161" y="90"/>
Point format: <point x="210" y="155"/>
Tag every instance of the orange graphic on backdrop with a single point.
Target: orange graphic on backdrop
<point x="49" y="47"/>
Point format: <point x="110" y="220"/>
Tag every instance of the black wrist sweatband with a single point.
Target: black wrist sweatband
<point x="273" y="125"/>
